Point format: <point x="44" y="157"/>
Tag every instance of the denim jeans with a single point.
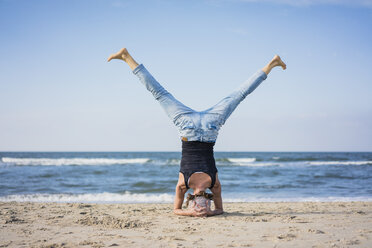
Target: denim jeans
<point x="198" y="125"/>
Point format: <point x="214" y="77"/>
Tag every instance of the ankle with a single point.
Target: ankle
<point x="125" y="57"/>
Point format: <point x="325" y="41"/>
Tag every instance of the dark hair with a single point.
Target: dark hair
<point x="204" y="194"/>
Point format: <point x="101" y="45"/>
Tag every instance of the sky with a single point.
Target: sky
<point x="58" y="93"/>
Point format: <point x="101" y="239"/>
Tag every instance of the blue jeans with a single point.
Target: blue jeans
<point x="198" y="125"/>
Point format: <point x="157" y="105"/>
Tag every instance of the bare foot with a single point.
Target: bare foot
<point x="122" y="54"/>
<point x="277" y="61"/>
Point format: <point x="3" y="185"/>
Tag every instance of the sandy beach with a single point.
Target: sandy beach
<point x="301" y="224"/>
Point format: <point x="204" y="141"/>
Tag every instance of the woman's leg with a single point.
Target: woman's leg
<point x="226" y="106"/>
<point x="172" y="106"/>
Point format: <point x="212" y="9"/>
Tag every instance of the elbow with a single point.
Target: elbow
<point x="176" y="210"/>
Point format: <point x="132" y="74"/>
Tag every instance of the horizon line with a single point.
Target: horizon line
<point x="176" y="151"/>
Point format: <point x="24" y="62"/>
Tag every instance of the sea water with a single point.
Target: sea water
<point x="151" y="177"/>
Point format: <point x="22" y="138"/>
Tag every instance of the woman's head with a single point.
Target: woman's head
<point x="199" y="201"/>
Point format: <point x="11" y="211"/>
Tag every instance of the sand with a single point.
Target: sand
<point x="301" y="224"/>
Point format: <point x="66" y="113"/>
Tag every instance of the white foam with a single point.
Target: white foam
<point x="340" y="162"/>
<point x="299" y="199"/>
<point x="263" y="164"/>
<point x="241" y="160"/>
<point x="72" y="161"/>
<point x="250" y="162"/>
<point x="127" y="197"/>
<point x="174" y="161"/>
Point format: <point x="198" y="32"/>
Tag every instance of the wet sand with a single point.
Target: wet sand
<point x="301" y="224"/>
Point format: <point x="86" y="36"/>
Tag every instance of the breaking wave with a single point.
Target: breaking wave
<point x="241" y="160"/>
<point x="72" y="161"/>
<point x="128" y="197"/>
<point x="341" y="163"/>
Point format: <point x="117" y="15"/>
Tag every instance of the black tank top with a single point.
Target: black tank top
<point x="198" y="157"/>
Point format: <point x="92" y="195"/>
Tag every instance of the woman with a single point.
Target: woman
<point x="198" y="131"/>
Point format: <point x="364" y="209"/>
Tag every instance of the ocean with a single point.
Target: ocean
<point x="151" y="177"/>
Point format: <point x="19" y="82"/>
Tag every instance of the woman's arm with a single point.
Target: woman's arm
<point x="217" y="199"/>
<point x="180" y="195"/>
<point x="181" y="190"/>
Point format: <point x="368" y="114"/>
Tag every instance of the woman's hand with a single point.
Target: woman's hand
<point x="212" y="212"/>
<point x="194" y="211"/>
<point x="215" y="212"/>
<point x="197" y="211"/>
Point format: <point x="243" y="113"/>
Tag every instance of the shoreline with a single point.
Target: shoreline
<point x="160" y="198"/>
<point x="258" y="224"/>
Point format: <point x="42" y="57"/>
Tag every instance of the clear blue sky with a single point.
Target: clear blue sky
<point x="58" y="93"/>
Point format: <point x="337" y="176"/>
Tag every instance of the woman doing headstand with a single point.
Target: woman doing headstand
<point x="198" y="131"/>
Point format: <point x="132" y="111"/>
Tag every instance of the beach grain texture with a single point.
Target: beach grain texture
<point x="291" y="224"/>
